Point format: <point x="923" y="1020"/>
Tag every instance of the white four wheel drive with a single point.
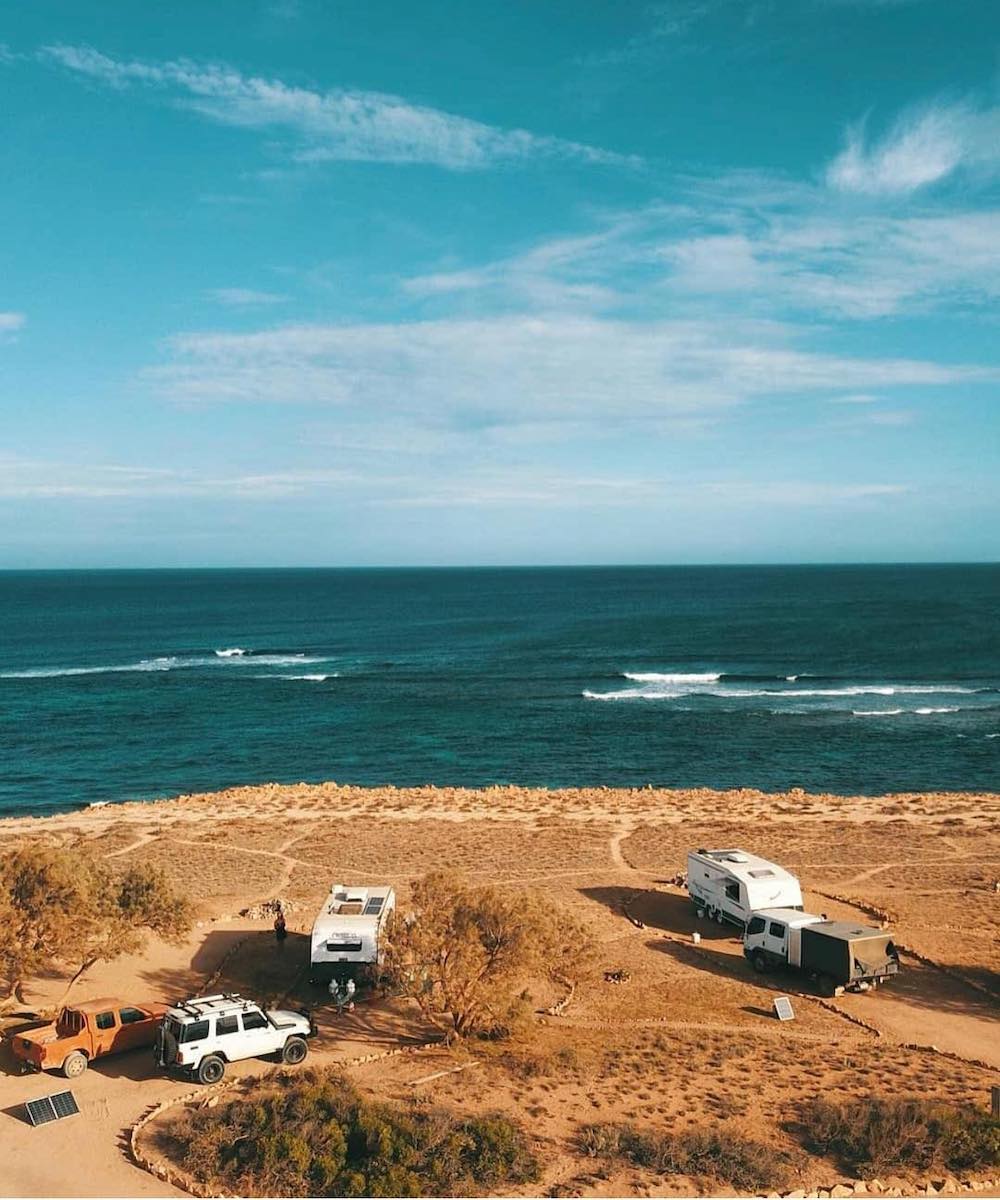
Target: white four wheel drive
<point x="202" y="1035"/>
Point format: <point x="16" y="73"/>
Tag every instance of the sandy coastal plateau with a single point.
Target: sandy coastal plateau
<point x="688" y="1040"/>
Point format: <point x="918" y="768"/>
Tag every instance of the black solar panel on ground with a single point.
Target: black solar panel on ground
<point x="51" y="1108"/>
<point x="65" y="1104"/>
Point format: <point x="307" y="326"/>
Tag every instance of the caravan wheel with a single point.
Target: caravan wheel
<point x="720" y="916"/>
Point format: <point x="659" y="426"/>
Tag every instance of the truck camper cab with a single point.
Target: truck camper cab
<point x="729" y="885"/>
<point x="347" y="933"/>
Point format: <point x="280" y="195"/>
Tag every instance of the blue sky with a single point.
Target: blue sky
<point x="335" y="282"/>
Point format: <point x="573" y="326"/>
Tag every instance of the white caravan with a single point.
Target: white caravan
<point x="729" y="885"/>
<point x="347" y="934"/>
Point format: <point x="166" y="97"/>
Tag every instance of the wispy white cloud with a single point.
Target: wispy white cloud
<point x="340" y="124"/>
<point x="10" y="323"/>
<point x="506" y="371"/>
<point x="38" y="479"/>
<point x="491" y="487"/>
<point x="923" y="146"/>
<point x="764" y="250"/>
<point x="238" y="297"/>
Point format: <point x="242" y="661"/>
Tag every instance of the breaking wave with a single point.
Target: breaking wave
<point x="897" y="712"/>
<point x="173" y="662"/>
<point x="673" y="685"/>
<point x="308" y="678"/>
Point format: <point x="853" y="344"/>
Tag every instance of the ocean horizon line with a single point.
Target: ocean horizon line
<point x="817" y="564"/>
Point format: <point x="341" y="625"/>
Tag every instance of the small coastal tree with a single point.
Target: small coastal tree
<point x="67" y="908"/>
<point x="467" y="953"/>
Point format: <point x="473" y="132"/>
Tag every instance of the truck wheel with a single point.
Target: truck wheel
<point x="74" y="1065"/>
<point x="294" y="1051"/>
<point x="211" y="1069"/>
<point x="759" y="962"/>
<point x="827" y="985"/>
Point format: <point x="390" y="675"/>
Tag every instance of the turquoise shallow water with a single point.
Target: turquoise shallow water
<point x="135" y="685"/>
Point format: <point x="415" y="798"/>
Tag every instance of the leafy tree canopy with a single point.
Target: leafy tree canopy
<point x="467" y="953"/>
<point x="67" y="908"/>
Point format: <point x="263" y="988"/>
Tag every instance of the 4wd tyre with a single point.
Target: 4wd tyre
<point x="827" y="985"/>
<point x="211" y="1069"/>
<point x="294" y="1051"/>
<point x="758" y="962"/>
<point x="74" y="1065"/>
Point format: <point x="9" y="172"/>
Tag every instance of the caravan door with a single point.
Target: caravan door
<point x="734" y="901"/>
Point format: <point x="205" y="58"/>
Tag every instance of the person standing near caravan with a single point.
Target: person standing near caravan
<point x="280" y="928"/>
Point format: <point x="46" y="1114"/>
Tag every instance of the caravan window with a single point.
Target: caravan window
<point x="733" y="892"/>
<point x="343" y="947"/>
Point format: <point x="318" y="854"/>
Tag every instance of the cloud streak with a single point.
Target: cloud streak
<point x="57" y="481"/>
<point x="345" y="125"/>
<point x="236" y="297"/>
<point x="508" y="371"/>
<point x="924" y="146"/>
<point x="11" y="322"/>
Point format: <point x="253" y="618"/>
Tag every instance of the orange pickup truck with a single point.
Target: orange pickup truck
<point x="83" y="1032"/>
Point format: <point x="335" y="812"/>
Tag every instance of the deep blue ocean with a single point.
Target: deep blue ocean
<point x="123" y="685"/>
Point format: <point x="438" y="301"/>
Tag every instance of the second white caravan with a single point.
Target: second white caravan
<point x="729" y="885"/>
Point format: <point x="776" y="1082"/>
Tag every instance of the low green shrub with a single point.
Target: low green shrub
<point x="880" y="1136"/>
<point x="716" y="1154"/>
<point x="319" y="1137"/>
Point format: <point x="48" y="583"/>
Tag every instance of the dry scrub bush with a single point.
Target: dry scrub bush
<point x="67" y="907"/>
<point x="877" y="1137"/>
<point x="718" y="1155"/>
<point x="467" y="953"/>
<point x="318" y="1137"/>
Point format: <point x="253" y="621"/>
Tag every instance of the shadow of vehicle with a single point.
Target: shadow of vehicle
<point x="672" y="912"/>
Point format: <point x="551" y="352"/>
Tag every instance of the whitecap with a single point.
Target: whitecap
<point x="656" y="677"/>
<point x="307" y="678"/>
<point x="231" y="652"/>
<point x="147" y="664"/>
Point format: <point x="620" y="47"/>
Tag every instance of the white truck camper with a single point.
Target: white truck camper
<point x="730" y="885"/>
<point x="838" y="955"/>
<point x="347" y="934"/>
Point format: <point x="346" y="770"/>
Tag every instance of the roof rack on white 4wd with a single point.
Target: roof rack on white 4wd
<point x="200" y="1036"/>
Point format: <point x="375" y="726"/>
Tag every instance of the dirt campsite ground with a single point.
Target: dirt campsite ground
<point x="688" y="1040"/>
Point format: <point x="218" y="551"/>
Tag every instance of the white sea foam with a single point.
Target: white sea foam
<point x="232" y="652"/>
<point x="675" y="686"/>
<point x="170" y="662"/>
<point x="896" y="712"/>
<point x="308" y="678"/>
<point x="656" y="677"/>
<point x="147" y="664"/>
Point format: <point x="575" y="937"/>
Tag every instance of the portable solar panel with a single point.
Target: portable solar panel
<point x="65" y="1104"/>
<point x="783" y="1009"/>
<point x="51" y="1108"/>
